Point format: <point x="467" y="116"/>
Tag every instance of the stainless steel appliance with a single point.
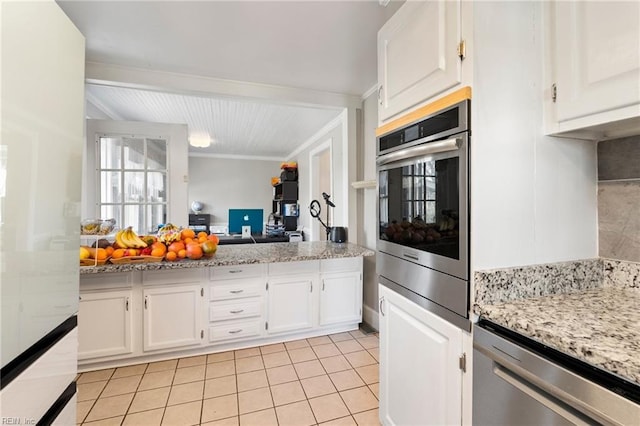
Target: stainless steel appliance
<point x="517" y="381"/>
<point x="423" y="239"/>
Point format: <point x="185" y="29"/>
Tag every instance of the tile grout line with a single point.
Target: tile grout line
<point x="291" y="363"/>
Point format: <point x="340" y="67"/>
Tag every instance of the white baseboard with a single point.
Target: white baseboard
<point x="370" y="316"/>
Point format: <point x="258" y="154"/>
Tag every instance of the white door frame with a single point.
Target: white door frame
<point x="314" y="157"/>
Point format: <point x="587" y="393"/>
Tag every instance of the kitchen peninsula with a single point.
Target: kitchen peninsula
<point x="245" y="295"/>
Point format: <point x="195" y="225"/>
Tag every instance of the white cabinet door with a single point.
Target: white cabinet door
<point x="420" y="377"/>
<point x="104" y="324"/>
<point x="290" y="302"/>
<point x="596" y="58"/>
<point x="340" y="298"/>
<point x="172" y="317"/>
<point x="418" y="54"/>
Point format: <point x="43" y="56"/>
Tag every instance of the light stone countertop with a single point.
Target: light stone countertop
<point x="597" y="324"/>
<point x="242" y="254"/>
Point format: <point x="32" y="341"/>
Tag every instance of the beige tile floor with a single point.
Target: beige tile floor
<point x="328" y="380"/>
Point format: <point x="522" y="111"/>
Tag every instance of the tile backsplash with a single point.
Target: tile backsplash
<point x="619" y="198"/>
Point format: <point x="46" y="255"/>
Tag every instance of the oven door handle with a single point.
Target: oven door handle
<point x="418" y="151"/>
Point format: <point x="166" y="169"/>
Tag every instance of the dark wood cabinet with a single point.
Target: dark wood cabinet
<point x="285" y="204"/>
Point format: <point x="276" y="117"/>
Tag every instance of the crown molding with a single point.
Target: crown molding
<point x="370" y="92"/>
<point x="234" y="157"/>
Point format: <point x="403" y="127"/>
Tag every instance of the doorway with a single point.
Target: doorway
<point x="321" y="181"/>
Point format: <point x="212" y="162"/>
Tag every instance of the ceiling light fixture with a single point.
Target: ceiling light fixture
<point x="200" y="140"/>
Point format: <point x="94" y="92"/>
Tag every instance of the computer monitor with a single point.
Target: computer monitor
<point x="243" y="217"/>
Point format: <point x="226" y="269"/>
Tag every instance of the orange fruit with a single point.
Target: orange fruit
<point x="182" y="253"/>
<point x="214" y="238"/>
<point x="158" y="252"/>
<point x="117" y="253"/>
<point x="176" y="246"/>
<point x="110" y="250"/>
<point x="202" y="239"/>
<point x="194" y="252"/>
<point x="98" y="253"/>
<point x="171" y="256"/>
<point x="187" y="240"/>
<point x="160" y="247"/>
<point x="209" y="248"/>
<point x="187" y="233"/>
<point x="202" y="234"/>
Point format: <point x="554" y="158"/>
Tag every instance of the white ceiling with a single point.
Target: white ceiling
<point x="237" y="127"/>
<point x="327" y="46"/>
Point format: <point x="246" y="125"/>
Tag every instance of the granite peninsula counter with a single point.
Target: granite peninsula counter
<point x="244" y="296"/>
<point x="229" y="255"/>
<point x="587" y="309"/>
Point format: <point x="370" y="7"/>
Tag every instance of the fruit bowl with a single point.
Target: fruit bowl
<point x="93" y="262"/>
<point x="136" y="259"/>
<point x="97" y="226"/>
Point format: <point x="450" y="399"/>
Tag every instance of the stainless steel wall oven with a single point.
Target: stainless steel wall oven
<point x="423" y="212"/>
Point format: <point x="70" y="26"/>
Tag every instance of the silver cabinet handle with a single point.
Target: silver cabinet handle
<point x="145" y="301"/>
<point x="235" y="331"/>
<point x="235" y="271"/>
<point x="311" y="288"/>
<point x="380" y="95"/>
<point x="322" y="285"/>
<point x="126" y="304"/>
<point x="235" y="291"/>
<point x="237" y="311"/>
<point x="381" y="302"/>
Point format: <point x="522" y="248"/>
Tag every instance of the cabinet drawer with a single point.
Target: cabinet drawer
<point x="291" y="268"/>
<point x="236" y="329"/>
<point x="238" y="271"/>
<point x="341" y="265"/>
<point x="172" y="276"/>
<point x="106" y="281"/>
<point x="230" y="309"/>
<point x="234" y="289"/>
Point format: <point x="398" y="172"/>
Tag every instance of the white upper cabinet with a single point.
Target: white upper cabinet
<point x="418" y="55"/>
<point x="594" y="54"/>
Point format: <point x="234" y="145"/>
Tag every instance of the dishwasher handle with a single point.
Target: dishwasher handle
<point x="534" y="392"/>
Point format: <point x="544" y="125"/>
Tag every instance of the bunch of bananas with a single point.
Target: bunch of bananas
<point x="127" y="238"/>
<point x="169" y="233"/>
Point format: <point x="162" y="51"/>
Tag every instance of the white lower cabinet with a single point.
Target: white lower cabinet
<point x="172" y="317"/>
<point x="139" y="316"/>
<point x="290" y="302"/>
<point x="104" y="324"/>
<point x="340" y="298"/>
<point x="236" y="304"/>
<point x="420" y="374"/>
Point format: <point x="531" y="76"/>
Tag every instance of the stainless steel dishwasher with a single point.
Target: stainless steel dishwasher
<point x="518" y="381"/>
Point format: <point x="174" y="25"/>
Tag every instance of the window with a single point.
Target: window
<point x="132" y="181"/>
<point x="419" y="191"/>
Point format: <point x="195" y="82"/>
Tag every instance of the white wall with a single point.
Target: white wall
<point x="533" y="198"/>
<point x="223" y="184"/>
<point x="340" y="183"/>
<point x="369" y="221"/>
